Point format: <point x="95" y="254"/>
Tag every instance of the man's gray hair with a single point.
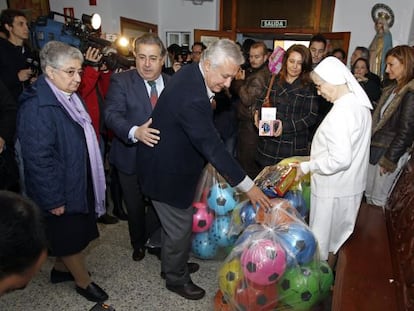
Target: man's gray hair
<point x="221" y="50"/>
<point x="56" y="54"/>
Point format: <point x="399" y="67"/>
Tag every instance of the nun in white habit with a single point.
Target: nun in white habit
<point x="339" y="157"/>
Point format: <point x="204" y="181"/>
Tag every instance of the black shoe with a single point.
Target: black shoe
<point x="156" y="251"/>
<point x="57" y="276"/>
<point x="188" y="291"/>
<point x="93" y="293"/>
<point x="138" y="254"/>
<point x="107" y="219"/>
<point x="192" y="268"/>
<point x="120" y="214"/>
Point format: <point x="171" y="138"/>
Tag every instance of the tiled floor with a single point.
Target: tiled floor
<point x="131" y="285"/>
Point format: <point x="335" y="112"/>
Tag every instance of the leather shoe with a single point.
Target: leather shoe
<point x="188" y="291"/>
<point x="192" y="268"/>
<point x="107" y="219"/>
<point x="93" y="293"/>
<point x="138" y="254"/>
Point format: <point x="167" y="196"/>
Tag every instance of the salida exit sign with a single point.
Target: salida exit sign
<point x="273" y="23"/>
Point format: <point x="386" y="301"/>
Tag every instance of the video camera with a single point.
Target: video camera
<point x="80" y="35"/>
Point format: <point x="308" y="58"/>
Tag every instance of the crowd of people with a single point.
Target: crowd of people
<point x="72" y="126"/>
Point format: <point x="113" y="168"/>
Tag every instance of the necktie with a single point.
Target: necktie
<point x="153" y="93"/>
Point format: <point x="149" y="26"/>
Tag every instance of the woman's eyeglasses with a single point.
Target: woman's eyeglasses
<point x="71" y="72"/>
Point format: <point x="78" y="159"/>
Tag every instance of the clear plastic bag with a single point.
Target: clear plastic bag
<point x="214" y="202"/>
<point x="274" y="265"/>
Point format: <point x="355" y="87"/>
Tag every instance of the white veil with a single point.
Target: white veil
<point x="333" y="71"/>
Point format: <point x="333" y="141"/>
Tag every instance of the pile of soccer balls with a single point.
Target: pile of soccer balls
<point x="212" y="219"/>
<point x="273" y="265"/>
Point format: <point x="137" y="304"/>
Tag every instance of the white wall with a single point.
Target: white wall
<point x="355" y="16"/>
<point x="183" y="15"/>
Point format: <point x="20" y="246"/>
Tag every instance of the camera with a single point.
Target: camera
<point x="78" y="34"/>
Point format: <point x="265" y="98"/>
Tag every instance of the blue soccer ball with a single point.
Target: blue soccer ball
<point x="299" y="243"/>
<point x="222" y="198"/>
<point x="203" y="246"/>
<point x="296" y="199"/>
<point x="219" y="231"/>
<point x="248" y="214"/>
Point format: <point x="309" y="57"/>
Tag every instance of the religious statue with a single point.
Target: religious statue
<point x="382" y="42"/>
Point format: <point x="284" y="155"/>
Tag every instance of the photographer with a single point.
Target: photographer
<point x="180" y="56"/>
<point x="16" y="58"/>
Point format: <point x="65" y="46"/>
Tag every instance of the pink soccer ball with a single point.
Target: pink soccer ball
<point x="263" y="262"/>
<point x="203" y="217"/>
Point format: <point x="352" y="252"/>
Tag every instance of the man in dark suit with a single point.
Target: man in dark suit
<point x="128" y="108"/>
<point x="169" y="172"/>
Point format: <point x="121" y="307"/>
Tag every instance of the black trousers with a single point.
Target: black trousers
<point x="142" y="220"/>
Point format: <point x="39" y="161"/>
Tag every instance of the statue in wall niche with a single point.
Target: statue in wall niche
<point x="383" y="18"/>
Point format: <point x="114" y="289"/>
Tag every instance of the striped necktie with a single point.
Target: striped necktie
<point x="153" y="93"/>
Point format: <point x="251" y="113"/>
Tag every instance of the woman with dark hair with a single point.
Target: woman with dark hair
<point x="392" y="126"/>
<point x="294" y="97"/>
<point x="368" y="81"/>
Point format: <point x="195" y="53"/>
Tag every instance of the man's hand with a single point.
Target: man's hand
<point x="24" y="74"/>
<point x="93" y="55"/>
<point x="257" y="196"/>
<point x="147" y="134"/>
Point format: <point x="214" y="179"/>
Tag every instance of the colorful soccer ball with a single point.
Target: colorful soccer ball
<point x="299" y="288"/>
<point x="202" y="218"/>
<point x="222" y="198"/>
<point x="306" y="193"/>
<point x="299" y="243"/>
<point x="248" y="214"/>
<point x="203" y="246"/>
<point x="326" y="277"/>
<point x="280" y="213"/>
<point x="220" y="302"/>
<point x="255" y="297"/>
<point x="230" y="274"/>
<point x="219" y="231"/>
<point x="295" y="197"/>
<point x="263" y="261"/>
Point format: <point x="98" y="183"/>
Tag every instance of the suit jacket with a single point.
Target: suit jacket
<point x="126" y="104"/>
<point x="170" y="171"/>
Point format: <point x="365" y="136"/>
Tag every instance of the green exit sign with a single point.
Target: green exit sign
<point x="273" y="23"/>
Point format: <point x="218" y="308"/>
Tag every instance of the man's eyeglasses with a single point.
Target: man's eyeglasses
<point x="71" y="72"/>
<point x="196" y="52"/>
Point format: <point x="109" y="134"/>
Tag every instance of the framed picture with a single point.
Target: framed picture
<point x="32" y="8"/>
